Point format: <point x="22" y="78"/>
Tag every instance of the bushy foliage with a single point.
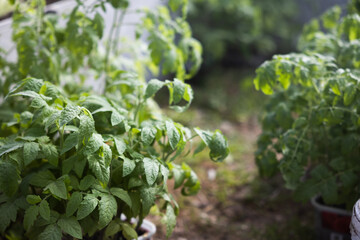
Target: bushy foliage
<point x="243" y="28"/>
<point x="311" y="122"/>
<point x="72" y="160"/>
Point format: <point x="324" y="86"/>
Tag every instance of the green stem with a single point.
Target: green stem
<point x="118" y="28"/>
<point x="108" y="46"/>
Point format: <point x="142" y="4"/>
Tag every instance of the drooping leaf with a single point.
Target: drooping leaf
<point x="73" y="204"/>
<point x="173" y="134"/>
<point x="153" y="87"/>
<point x="151" y="167"/>
<point x="58" y="188"/>
<point x="87" y="206"/>
<point x="122" y="195"/>
<point x="70" y="226"/>
<point x="107" y="209"/>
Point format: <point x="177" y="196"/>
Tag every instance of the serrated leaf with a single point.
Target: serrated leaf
<point x="9" y="178"/>
<point x="73" y="204"/>
<point x="151" y="168"/>
<point x="173" y="134"/>
<point x="69" y="113"/>
<point x="70" y="226"/>
<point x="51" y="232"/>
<point x="30" y="216"/>
<point x="33" y="199"/>
<point x="30" y="152"/>
<point x="122" y="195"/>
<point x="153" y="87"/>
<point x="86" y="182"/>
<point x="128" y="166"/>
<point x="44" y="210"/>
<point x="58" y="188"/>
<point x="107" y="209"/>
<point x="148" y="135"/>
<point x="87" y="206"/>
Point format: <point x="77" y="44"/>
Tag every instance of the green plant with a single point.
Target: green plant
<point x="73" y="160"/>
<point x="243" y="28"/>
<point x="311" y="121"/>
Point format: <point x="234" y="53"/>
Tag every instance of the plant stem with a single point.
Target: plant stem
<point x="108" y="46"/>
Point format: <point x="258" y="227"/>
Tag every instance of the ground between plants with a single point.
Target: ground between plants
<point x="235" y="204"/>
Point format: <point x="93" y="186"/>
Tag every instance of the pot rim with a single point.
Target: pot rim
<point x="325" y="208"/>
<point x="150" y="230"/>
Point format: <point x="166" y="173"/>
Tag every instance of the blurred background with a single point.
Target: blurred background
<point x="237" y="36"/>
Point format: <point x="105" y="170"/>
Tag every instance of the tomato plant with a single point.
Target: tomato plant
<point x="311" y="122"/>
<point x="72" y="160"/>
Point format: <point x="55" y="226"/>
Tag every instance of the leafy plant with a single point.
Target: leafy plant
<point x="243" y="29"/>
<point x="311" y="122"/>
<point x="72" y="160"/>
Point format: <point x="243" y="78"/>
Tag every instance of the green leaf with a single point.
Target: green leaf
<point x="30" y="216"/>
<point x="153" y="87"/>
<point x="50" y="153"/>
<point x="69" y="113"/>
<point x="350" y="93"/>
<point x="86" y="182"/>
<point x="175" y="4"/>
<point x="94" y="143"/>
<point x="151" y="168"/>
<point x="112" y="229"/>
<point x="58" y="188"/>
<point x="99" y="168"/>
<point x="148" y="135"/>
<point x="173" y="134"/>
<point x="148" y="199"/>
<point x="107" y="209"/>
<point x="9" y="178"/>
<point x="9" y="147"/>
<point x="73" y="204"/>
<point x="128" y="166"/>
<point x="218" y="147"/>
<point x="8" y="214"/>
<point x="33" y="199"/>
<point x="116" y="118"/>
<point x="51" y="232"/>
<point x="30" y="153"/>
<point x="70" y="226"/>
<point x="128" y="232"/>
<point x="87" y="206"/>
<point x="122" y="195"/>
<point x="170" y="220"/>
<point x="178" y="91"/>
<point x="120" y="144"/>
<point x="42" y="179"/>
<point x="44" y="210"/>
<point x="70" y="142"/>
<point x="87" y="126"/>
